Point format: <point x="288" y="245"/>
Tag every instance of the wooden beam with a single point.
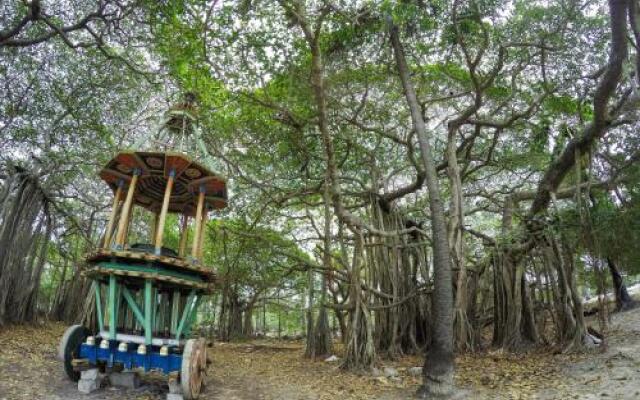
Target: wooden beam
<point x="110" y="245"/>
<point x="154" y="226"/>
<point x="196" y="235"/>
<point x="203" y="226"/>
<point x="112" y="216"/>
<point x="163" y="212"/>
<point x="126" y="211"/>
<point x="132" y="211"/>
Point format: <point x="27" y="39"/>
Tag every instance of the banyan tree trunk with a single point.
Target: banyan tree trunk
<point x="310" y="348"/>
<point x="73" y="310"/>
<point x="57" y="306"/>
<point x="322" y="344"/>
<point x="360" y="350"/>
<point x="508" y="274"/>
<point x="463" y="334"/>
<point x="396" y="264"/>
<point x="247" y="329"/>
<point x="623" y="300"/>
<point x="342" y="324"/>
<point x="322" y="334"/>
<point x="571" y="315"/>
<point x="29" y="300"/>
<point x="234" y="324"/>
<point x="514" y="313"/>
<point x="529" y="325"/>
<point x="479" y="300"/>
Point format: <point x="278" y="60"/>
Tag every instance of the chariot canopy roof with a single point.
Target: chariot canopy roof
<point x="154" y="169"/>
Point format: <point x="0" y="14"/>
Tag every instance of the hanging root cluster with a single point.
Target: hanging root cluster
<point x="532" y="289"/>
<point x="25" y="228"/>
<point x="396" y="264"/>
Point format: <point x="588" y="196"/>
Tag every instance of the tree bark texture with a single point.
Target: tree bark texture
<point x="439" y="360"/>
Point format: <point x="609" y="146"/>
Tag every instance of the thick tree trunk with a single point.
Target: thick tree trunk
<point x="439" y="360"/>
<point x="513" y="313"/>
<point x="342" y="325"/>
<point x="529" y="326"/>
<point x="310" y="348"/>
<point x="247" y="329"/>
<point x="323" y="344"/>
<point x="322" y="332"/>
<point x="234" y="315"/>
<point x="508" y="302"/>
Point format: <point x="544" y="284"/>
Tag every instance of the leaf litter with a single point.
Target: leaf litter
<point x="271" y="369"/>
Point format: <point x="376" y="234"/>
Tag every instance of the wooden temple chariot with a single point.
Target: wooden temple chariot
<point x="146" y="295"/>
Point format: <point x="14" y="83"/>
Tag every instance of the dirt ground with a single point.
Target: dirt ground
<point x="612" y="372"/>
<point x="266" y="370"/>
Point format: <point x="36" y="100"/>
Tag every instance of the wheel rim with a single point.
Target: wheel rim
<point x="68" y="350"/>
<point x="203" y="361"/>
<point x="191" y="374"/>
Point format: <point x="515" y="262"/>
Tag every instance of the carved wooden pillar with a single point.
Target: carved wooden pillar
<point x="126" y="211"/>
<point x="198" y="228"/>
<point x="163" y="211"/>
<point x="112" y="216"/>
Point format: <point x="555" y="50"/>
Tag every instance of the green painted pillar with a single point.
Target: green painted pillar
<point x="154" y="322"/>
<point x="133" y="306"/>
<point x="148" y="311"/>
<point x="192" y="316"/>
<point x="119" y="308"/>
<point x="96" y="285"/>
<point x="139" y="299"/>
<point x="175" y="311"/>
<point x="113" y="310"/>
<point x="186" y="313"/>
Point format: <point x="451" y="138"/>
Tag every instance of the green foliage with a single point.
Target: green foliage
<point x="561" y="105"/>
<point x="253" y="258"/>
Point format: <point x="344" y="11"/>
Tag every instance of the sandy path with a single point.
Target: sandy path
<point x="612" y="374"/>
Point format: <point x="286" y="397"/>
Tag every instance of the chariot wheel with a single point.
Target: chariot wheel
<point x="70" y="348"/>
<point x="194" y="364"/>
